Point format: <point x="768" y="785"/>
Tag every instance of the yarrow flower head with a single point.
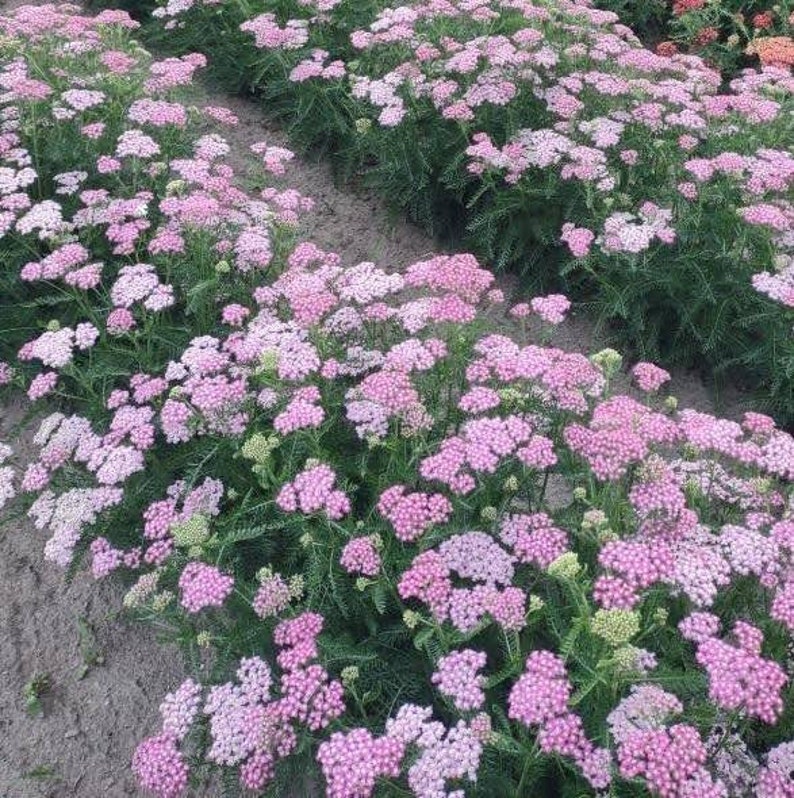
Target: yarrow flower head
<point x="552" y="308"/>
<point x="312" y="491"/>
<point x="160" y="767"/>
<point x="203" y="586"/>
<point x="457" y="677"/>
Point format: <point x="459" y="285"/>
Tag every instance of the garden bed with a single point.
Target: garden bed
<point x="664" y="209"/>
<point x="410" y="538"/>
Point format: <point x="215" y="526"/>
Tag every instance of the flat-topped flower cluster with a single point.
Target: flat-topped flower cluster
<point x="418" y="549"/>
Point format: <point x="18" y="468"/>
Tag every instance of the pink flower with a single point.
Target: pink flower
<point x="106" y="165"/>
<point x="671" y="761"/>
<point x="767" y="215"/>
<point x="272" y="597"/>
<point x="740" y="679"/>
<point x="479" y="400"/>
<point x="104" y="558"/>
<point x="119" y="321"/>
<point x="203" y="586"/>
<point x="774" y="780"/>
<point x="270" y="36"/>
<point x="160" y="767"/>
<point x="542" y="692"/>
<point x="303" y="412"/>
<point x="312" y="491"/>
<point x="411" y="514"/>
<point x="360" y="557"/>
<point x="457" y="677"/>
<point x="352" y="762"/>
<point x="552" y="308"/>
<point x="42" y="384"/>
<point x="540" y="698"/>
<point x="534" y="539"/>
<point x="649" y="377"/>
<point x="6" y="373"/>
<point x="235" y="315"/>
<point x="538" y="453"/>
<point x="578" y="239"/>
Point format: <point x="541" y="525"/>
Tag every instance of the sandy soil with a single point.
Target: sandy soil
<point x="353" y="223"/>
<point x="105" y="675"/>
<point x="82" y="743"/>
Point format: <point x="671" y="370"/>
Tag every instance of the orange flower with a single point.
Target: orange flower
<point x="666" y="48"/>
<point x="773" y="50"/>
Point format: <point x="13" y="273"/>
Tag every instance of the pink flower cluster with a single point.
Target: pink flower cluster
<point x="552" y="308"/>
<point x="269" y="35"/>
<point x="475" y="557"/>
<point x="621" y="432"/>
<point x="360" y="556"/>
<point x="671" y="760"/>
<point x="313" y="491"/>
<point x="540" y="698"/>
<point x="353" y="762"/>
<point x="739" y="677"/>
<point x="7" y="476"/>
<point x="479" y="448"/>
<point x="248" y="726"/>
<point x="565" y="380"/>
<point x="633" y="566"/>
<point x="649" y="377"/>
<point x="203" y="585"/>
<point x="774" y="779"/>
<point x="412" y="514"/>
<point x="443" y="754"/>
<point x="160" y="767"/>
<point x="140" y="283"/>
<point x="533" y="538"/>
<point x="457" y="676"/>
<point x="272" y="597"/>
<point x="578" y="239"/>
<point x="302" y="412"/>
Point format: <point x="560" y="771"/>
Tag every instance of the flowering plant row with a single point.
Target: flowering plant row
<point x="418" y="550"/>
<point x="544" y="137"/>
<point x="727" y="33"/>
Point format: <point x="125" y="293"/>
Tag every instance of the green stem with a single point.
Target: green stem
<point x="524" y="776"/>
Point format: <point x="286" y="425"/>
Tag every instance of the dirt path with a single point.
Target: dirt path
<point x="105" y="675"/>
<point x="82" y="744"/>
<point x="355" y="224"/>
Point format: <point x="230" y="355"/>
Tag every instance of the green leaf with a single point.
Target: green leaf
<point x="423" y="637"/>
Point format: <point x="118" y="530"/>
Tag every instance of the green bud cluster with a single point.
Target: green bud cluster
<point x="616" y="627"/>
<point x="349" y="676"/>
<point x="411" y="619"/>
<point x="259" y="447"/>
<point x="191" y="533"/>
<point x="297" y="587"/>
<point x="608" y="361"/>
<point x="566" y="566"/>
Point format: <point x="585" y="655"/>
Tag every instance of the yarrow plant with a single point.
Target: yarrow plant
<point x="420" y="550"/>
<point x="550" y="140"/>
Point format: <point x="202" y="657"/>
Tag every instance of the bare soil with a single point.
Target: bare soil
<point x="102" y="676"/>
